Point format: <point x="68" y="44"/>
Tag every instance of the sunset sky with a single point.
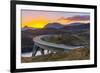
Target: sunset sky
<point x="38" y="19"/>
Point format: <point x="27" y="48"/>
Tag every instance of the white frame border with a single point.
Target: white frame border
<point x="20" y="65"/>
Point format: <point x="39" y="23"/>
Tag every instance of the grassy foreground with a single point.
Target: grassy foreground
<point x="76" y="54"/>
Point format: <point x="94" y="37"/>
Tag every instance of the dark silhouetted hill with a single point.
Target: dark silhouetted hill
<point x="54" y="25"/>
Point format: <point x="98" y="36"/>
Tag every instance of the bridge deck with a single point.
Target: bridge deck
<point x="41" y="45"/>
<point x="39" y="42"/>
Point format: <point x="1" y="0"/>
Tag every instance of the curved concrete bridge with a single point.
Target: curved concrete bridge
<point x="41" y="45"/>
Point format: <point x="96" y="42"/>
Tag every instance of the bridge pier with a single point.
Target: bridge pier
<point x="36" y="49"/>
<point x="42" y="51"/>
<point x="48" y="51"/>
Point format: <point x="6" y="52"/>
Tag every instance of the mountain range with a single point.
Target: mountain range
<point x="72" y="26"/>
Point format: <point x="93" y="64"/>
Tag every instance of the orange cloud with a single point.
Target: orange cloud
<point x="83" y="19"/>
<point x="63" y="20"/>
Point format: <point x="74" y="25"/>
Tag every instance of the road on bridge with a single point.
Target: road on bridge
<point x="39" y="40"/>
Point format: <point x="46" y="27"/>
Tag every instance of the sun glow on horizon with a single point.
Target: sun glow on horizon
<point x="35" y="23"/>
<point x="40" y="23"/>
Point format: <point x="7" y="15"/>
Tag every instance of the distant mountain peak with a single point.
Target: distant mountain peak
<point x="54" y="25"/>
